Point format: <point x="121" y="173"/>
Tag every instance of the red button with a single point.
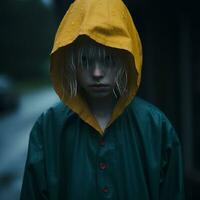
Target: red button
<point x="105" y="189"/>
<point x="102" y="142"/>
<point x="102" y="166"/>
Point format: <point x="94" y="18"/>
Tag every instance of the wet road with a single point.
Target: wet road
<point x="14" y="134"/>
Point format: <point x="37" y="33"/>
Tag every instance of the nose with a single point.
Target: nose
<point x="97" y="72"/>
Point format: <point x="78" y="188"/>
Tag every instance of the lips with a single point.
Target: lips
<point x="99" y="87"/>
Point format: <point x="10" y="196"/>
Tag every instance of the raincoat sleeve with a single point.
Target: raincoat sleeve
<point x="171" y="176"/>
<point x="34" y="183"/>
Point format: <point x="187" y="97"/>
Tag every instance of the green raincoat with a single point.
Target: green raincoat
<point x="137" y="156"/>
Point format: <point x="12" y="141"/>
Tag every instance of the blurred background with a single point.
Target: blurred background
<point x="169" y="31"/>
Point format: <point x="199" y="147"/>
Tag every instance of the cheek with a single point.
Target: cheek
<point x="113" y="75"/>
<point x="79" y="77"/>
<point x="82" y="78"/>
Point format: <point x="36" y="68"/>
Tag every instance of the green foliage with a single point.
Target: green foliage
<point x="26" y="37"/>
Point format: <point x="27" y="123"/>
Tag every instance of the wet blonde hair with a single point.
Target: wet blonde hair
<point x="89" y="48"/>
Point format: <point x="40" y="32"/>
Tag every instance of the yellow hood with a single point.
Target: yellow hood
<point x="109" y="23"/>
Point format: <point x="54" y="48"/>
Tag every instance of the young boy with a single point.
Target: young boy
<point x="101" y="141"/>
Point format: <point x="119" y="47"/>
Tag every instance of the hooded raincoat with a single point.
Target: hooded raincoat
<point x="137" y="156"/>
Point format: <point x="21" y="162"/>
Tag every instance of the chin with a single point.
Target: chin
<point x="96" y="93"/>
<point x="100" y="94"/>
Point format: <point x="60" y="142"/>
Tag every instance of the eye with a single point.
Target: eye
<point x="108" y="58"/>
<point x="83" y="59"/>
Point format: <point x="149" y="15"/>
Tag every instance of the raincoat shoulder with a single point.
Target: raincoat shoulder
<point x="35" y="183"/>
<point x="159" y="135"/>
<point x="147" y="116"/>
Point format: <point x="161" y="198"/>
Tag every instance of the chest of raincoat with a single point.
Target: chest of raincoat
<point x="138" y="157"/>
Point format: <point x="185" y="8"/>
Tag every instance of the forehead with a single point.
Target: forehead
<point x="90" y="48"/>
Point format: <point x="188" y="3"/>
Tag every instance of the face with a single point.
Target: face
<point x="96" y="75"/>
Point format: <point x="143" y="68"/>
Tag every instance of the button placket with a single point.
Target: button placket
<point x="102" y="165"/>
<point x="102" y="142"/>
<point x="103" y="171"/>
<point x="105" y="189"/>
